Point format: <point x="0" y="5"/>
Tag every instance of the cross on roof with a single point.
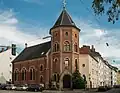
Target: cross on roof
<point x="64" y="4"/>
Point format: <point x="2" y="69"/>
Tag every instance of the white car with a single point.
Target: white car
<point x="22" y="87"/>
<point x="10" y="87"/>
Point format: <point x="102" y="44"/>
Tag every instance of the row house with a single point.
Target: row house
<point x="114" y="73"/>
<point x="118" y="77"/>
<point x="97" y="70"/>
<point x="89" y="67"/>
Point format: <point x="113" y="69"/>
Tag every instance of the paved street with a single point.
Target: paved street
<point x="110" y="91"/>
<point x="7" y="91"/>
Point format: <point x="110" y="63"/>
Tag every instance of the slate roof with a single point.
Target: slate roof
<point x="64" y="20"/>
<point x="33" y="52"/>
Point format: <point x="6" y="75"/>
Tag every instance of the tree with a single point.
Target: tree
<point x="111" y="7"/>
<point x="77" y="81"/>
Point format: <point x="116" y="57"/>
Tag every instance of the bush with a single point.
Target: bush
<point x="77" y="81"/>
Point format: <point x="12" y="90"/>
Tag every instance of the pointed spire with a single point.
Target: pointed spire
<point x="64" y="19"/>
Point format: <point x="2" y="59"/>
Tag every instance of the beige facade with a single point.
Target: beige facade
<point x="94" y="67"/>
<point x="89" y="67"/>
<point x="118" y="78"/>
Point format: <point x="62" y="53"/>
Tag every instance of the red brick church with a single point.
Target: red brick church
<point x="52" y="61"/>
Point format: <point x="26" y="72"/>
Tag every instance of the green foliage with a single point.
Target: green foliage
<point x="112" y="9"/>
<point x="77" y="81"/>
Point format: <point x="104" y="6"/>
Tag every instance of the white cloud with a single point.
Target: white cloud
<point x="7" y="17"/>
<point x="92" y="35"/>
<point x="11" y="21"/>
<point x="10" y="33"/>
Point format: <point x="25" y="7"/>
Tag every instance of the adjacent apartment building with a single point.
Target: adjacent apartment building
<point x="6" y="58"/>
<point x="98" y="71"/>
<point x="118" y="77"/>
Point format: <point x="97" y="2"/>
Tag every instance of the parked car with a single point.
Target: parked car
<point x="10" y="87"/>
<point x="21" y="87"/>
<point x="3" y="86"/>
<point x="35" y="87"/>
<point x="102" y="88"/>
<point x="116" y="86"/>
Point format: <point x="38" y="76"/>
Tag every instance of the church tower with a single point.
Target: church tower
<point x="64" y="49"/>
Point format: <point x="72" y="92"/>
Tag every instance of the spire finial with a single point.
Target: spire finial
<point x="64" y="4"/>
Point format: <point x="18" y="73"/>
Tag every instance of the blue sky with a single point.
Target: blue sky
<point x="24" y="21"/>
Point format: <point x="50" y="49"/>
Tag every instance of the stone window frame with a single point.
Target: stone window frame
<point x="24" y="73"/>
<point x="55" y="62"/>
<point x="67" y="46"/>
<point x="67" y="59"/>
<point x="56" y="47"/>
<point x="55" y="59"/>
<point x="41" y="76"/>
<point x="76" y="64"/>
<point x="55" y="33"/>
<point x="33" y="77"/>
<point x="66" y="33"/>
<point x="16" y="74"/>
<point x="75" y="35"/>
<point x="75" y="47"/>
<point x="56" y="77"/>
<point x="42" y="67"/>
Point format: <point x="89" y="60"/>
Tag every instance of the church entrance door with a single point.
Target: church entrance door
<point x="67" y="81"/>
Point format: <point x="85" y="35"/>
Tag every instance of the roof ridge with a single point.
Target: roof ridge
<point x="39" y="44"/>
<point x="62" y="17"/>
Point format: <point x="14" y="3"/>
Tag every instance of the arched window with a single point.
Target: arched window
<point x="56" y="47"/>
<point x="32" y="74"/>
<point x="66" y="62"/>
<point x="41" y="79"/>
<point x="24" y="74"/>
<point x="41" y="67"/>
<point x="58" y="77"/>
<point x="16" y="75"/>
<point x="55" y="77"/>
<point x="75" y="47"/>
<point x="66" y="33"/>
<point x="76" y="64"/>
<point x="67" y="46"/>
<point x="55" y="64"/>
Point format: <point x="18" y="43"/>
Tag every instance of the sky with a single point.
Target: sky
<point x="28" y="21"/>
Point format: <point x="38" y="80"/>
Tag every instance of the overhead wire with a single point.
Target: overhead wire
<point x="93" y="17"/>
<point x="106" y="43"/>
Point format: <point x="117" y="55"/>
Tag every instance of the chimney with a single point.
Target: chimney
<point x="93" y="49"/>
<point x="25" y="45"/>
